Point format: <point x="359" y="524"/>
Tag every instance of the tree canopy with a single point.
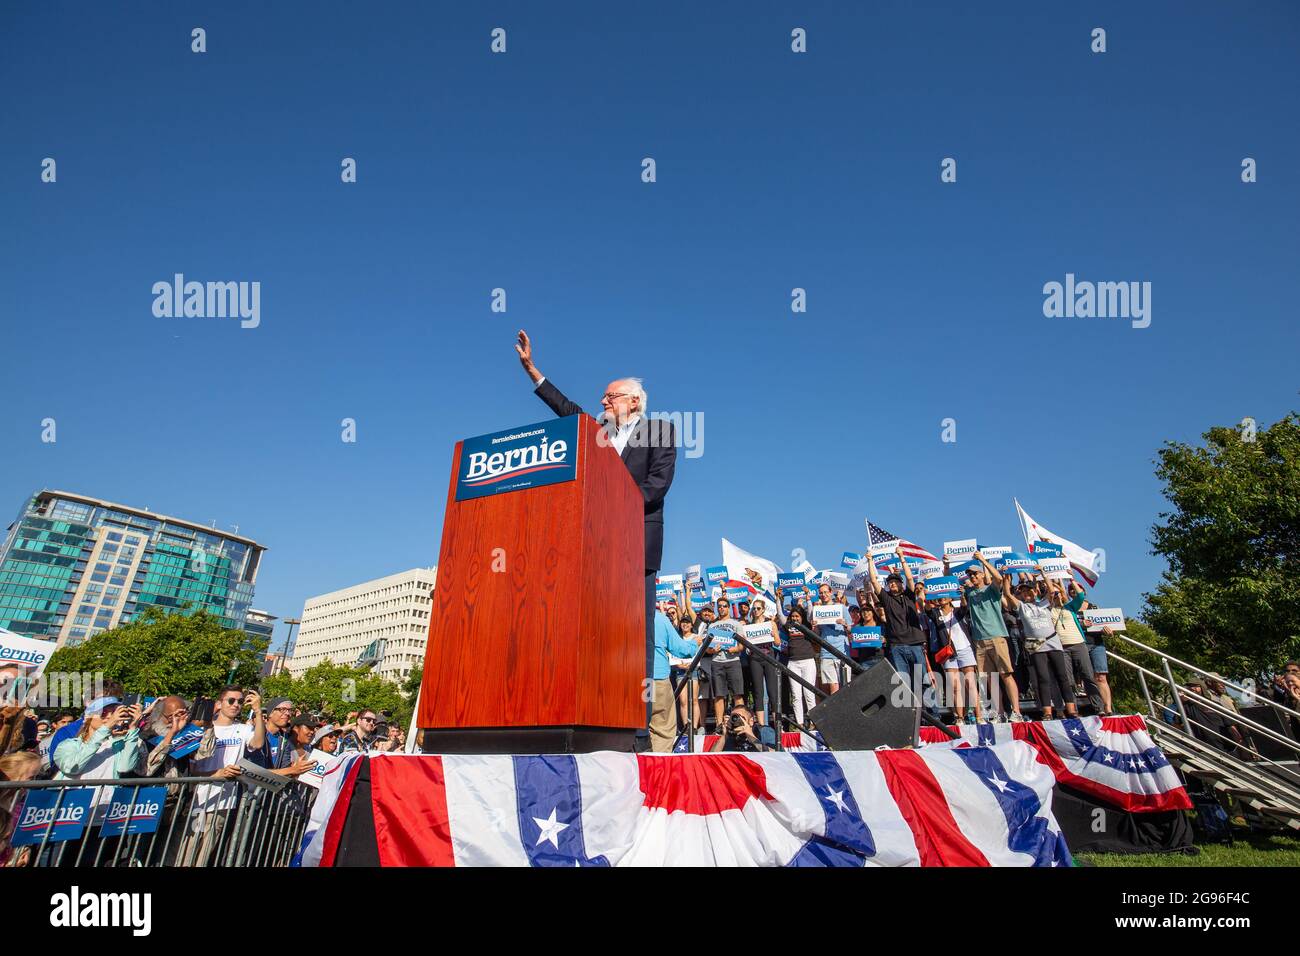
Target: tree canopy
<point x="167" y="653"/>
<point x="1230" y="599"/>
<point x="336" y="689"/>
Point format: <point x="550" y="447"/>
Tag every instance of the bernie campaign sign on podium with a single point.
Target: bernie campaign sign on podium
<point x="527" y="457"/>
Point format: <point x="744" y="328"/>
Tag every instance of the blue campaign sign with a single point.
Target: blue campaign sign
<point x="38" y="811"/>
<point x="699" y="600"/>
<point x="862" y="636"/>
<point x="665" y="592"/>
<point x="961" y="567"/>
<point x="736" y="595"/>
<point x="850" y="560"/>
<point x="185" y="742"/>
<point x="1045" y="549"/>
<point x="723" y="638"/>
<point x="791" y="582"/>
<point x="943" y="587"/>
<point x="139" y="816"/>
<point x="1015" y="563"/>
<point x="715" y="575"/>
<point x="525" y="457"/>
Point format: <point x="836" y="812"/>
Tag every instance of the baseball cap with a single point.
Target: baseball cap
<point x="322" y="732"/>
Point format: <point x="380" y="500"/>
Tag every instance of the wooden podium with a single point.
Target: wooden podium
<point x="537" y="632"/>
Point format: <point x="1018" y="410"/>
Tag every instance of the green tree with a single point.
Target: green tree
<point x="167" y="653"/>
<point x="1125" y="685"/>
<point x="336" y="689"/>
<point x="1230" y="599"/>
<point x="411" y="686"/>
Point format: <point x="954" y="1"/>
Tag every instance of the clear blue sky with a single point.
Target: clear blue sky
<point x="775" y="170"/>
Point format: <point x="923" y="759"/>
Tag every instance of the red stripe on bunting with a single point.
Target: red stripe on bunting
<point x="920" y="799"/>
<point x="412" y="825"/>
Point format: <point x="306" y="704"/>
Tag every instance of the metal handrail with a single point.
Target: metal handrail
<point x="1210" y="674"/>
<point x="1207" y="703"/>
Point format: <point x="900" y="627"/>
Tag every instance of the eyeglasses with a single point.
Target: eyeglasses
<point x="610" y="396"/>
<point x="368" y="720"/>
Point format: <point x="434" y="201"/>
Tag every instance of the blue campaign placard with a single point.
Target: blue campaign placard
<point x="38" y="811"/>
<point x="1045" y="549"/>
<point x="526" y="457"/>
<point x="699" y="600"/>
<point x="715" y="575"/>
<point x="850" y="560"/>
<point x="139" y="816"/>
<point x="1015" y="563"/>
<point x="791" y="582"/>
<point x="723" y="639"/>
<point x="863" y="636"/>
<point x="185" y="742"/>
<point x="943" y="587"/>
<point x="665" y="592"/>
<point x="736" y="595"/>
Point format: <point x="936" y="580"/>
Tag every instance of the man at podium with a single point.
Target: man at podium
<point x="648" y="448"/>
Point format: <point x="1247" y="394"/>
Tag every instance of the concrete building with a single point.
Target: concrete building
<point x="382" y="623"/>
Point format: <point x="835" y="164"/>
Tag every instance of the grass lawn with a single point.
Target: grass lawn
<point x="1250" y="849"/>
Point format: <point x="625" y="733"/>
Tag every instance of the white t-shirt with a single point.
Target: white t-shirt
<point x="960" y="642"/>
<point x="1038" y="626"/>
<point x="232" y="740"/>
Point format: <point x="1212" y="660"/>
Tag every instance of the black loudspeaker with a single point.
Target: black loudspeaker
<point x="877" y="709"/>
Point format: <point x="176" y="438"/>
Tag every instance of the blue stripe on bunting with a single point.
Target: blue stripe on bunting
<point x="1028" y="831"/>
<point x="847" y="841"/>
<point x="1144" y="761"/>
<point x="549" y="797"/>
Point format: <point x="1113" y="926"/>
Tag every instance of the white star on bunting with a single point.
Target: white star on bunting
<point x="550" y="828"/>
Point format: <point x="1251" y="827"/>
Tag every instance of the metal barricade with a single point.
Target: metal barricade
<point x="202" y="822"/>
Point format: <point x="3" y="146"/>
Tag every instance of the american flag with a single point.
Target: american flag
<point x="878" y="535"/>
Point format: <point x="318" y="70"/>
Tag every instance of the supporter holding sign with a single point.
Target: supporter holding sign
<point x="831" y="620"/>
<point x="960" y="679"/>
<point x="763" y="675"/>
<point x="1034" y="606"/>
<point x="905" y="638"/>
<point x="174" y="739"/>
<point x="728" y="678"/>
<point x="1096" y="642"/>
<point x="983" y="596"/>
<point x="803" y="661"/>
<point x="1075" y="648"/>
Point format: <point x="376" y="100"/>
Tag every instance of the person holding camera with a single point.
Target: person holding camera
<point x="107" y="747"/>
<point x="742" y="733"/>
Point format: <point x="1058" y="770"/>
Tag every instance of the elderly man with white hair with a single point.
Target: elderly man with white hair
<point x="648" y="448"/>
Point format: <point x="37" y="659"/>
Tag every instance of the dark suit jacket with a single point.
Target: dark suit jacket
<point x="650" y="457"/>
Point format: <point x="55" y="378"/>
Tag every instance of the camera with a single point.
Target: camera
<point x="736" y="722"/>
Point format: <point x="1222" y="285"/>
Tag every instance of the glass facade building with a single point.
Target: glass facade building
<point x="72" y="566"/>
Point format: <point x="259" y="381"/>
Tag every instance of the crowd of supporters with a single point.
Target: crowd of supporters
<point x="119" y="736"/>
<point x="970" y="659"/>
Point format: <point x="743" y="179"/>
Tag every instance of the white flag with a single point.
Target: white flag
<point x="1081" y="559"/>
<point x="738" y="561"/>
